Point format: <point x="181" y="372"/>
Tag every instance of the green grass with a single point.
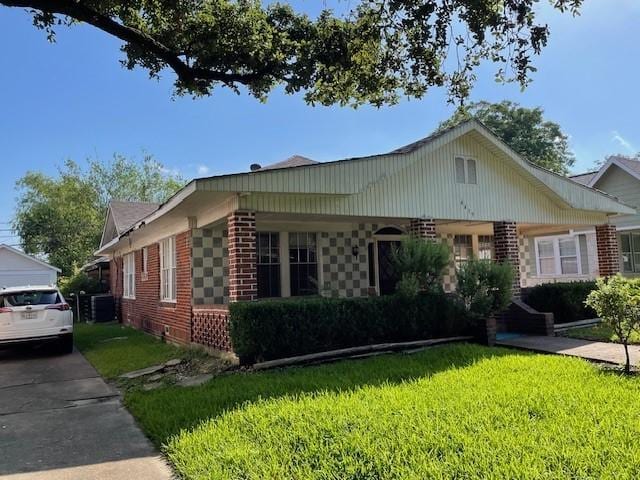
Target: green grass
<point x="112" y="356"/>
<point x="600" y="333"/>
<point x="458" y="411"/>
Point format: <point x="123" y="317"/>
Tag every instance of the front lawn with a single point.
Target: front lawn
<point x="599" y="333"/>
<point x="114" y="349"/>
<point x="457" y="411"/>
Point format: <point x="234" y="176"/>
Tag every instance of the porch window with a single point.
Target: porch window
<point x="486" y="248"/>
<point x="558" y="255"/>
<point x="268" y="264"/>
<point x="462" y="249"/>
<point x="630" y="251"/>
<point x="129" y="276"/>
<point x="168" y="269"/>
<point x="303" y="263"/>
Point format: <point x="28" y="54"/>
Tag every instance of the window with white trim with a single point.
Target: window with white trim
<point x="168" y="269"/>
<point x="465" y="169"/>
<point x="630" y="252"/>
<point x="145" y="262"/>
<point x="558" y="255"/>
<point x="129" y="276"/>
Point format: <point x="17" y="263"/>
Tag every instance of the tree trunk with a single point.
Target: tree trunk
<point x="627" y="366"/>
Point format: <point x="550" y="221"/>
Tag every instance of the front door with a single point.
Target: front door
<point x="386" y="274"/>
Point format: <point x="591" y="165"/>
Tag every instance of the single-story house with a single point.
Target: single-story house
<point x="18" y="269"/>
<point x="306" y="228"/>
<point x="620" y="176"/>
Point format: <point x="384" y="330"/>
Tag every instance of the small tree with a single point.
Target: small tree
<point x="616" y="300"/>
<point x="420" y="265"/>
<point x="484" y="287"/>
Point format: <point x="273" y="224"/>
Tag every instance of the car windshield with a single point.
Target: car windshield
<point x="21" y="299"/>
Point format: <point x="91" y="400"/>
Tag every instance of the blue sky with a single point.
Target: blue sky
<point x="72" y="99"/>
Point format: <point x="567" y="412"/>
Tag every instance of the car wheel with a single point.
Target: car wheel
<point x="65" y="344"/>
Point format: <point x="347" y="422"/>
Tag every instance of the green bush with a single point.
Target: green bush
<point x="564" y="300"/>
<point x="78" y="282"/>
<point x="272" y="329"/>
<point x="420" y="265"/>
<point x="484" y="287"/>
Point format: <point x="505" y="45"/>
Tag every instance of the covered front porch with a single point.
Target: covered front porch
<point x="253" y="255"/>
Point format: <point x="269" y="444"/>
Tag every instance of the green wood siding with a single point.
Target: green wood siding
<point x="622" y="185"/>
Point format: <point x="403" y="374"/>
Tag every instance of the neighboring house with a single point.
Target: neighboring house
<point x="620" y="177"/>
<point x="18" y="269"/>
<point x="329" y="228"/>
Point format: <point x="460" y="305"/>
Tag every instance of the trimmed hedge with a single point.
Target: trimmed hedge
<point x="564" y="300"/>
<point x="270" y="329"/>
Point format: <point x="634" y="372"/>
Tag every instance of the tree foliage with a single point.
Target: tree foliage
<point x="373" y="53"/>
<point x="420" y="265"/>
<point x="616" y="300"/>
<point x="62" y="217"/>
<point x="525" y="130"/>
<point x="484" y="287"/>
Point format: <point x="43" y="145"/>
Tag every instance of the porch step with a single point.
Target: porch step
<point x="563" y="327"/>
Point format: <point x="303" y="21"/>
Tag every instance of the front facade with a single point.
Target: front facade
<point x="329" y="229"/>
<point x="17" y="269"/>
<point x="620" y="177"/>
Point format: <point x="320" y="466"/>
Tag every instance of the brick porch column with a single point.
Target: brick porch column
<point x="505" y="238"/>
<point x="243" y="282"/>
<point x="423" y="228"/>
<point x="608" y="256"/>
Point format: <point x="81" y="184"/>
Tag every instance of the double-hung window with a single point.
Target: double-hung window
<point x="268" y="264"/>
<point x="303" y="263"/>
<point x="462" y="249"/>
<point x="168" y="269"/>
<point x="129" y="276"/>
<point x="558" y="255"/>
<point x="630" y="251"/>
<point x="144" y="272"/>
<point x="486" y="248"/>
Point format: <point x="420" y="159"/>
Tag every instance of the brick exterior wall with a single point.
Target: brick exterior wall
<point x="608" y="255"/>
<point x="505" y="237"/>
<point x="210" y="327"/>
<point x="243" y="280"/>
<point x="146" y="312"/>
<point x="423" y="228"/>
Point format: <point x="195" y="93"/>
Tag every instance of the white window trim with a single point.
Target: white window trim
<point x="144" y="271"/>
<point x="170" y="296"/>
<point x="129" y="283"/>
<point x="556" y="256"/>
<point x="466" y="159"/>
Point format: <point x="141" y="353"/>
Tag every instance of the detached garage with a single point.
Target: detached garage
<point x="18" y="269"/>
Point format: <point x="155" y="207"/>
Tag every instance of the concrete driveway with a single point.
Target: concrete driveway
<point x="60" y="420"/>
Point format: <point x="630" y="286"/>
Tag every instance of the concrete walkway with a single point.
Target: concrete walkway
<point x="590" y="350"/>
<point x="60" y="421"/>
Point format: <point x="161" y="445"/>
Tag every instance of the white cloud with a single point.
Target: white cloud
<point x="203" y="169"/>
<point x="623" y="142"/>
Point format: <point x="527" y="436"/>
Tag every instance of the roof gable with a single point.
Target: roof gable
<point x="628" y="165"/>
<point x="30" y="258"/>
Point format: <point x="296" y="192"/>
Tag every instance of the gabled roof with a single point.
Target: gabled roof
<point x="294" y="161"/>
<point x="125" y="213"/>
<point x="583" y="178"/>
<point x="629" y="165"/>
<point x="28" y="257"/>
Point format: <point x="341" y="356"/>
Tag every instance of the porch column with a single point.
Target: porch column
<point x="243" y="282"/>
<point x="505" y="238"/>
<point x="423" y="228"/>
<point x="608" y="256"/>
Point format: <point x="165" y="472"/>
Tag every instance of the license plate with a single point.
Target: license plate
<point x="29" y="315"/>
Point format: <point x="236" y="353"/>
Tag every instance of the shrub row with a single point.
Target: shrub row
<point x="270" y="329"/>
<point x="564" y="300"/>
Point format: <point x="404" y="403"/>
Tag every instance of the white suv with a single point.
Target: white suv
<point x="35" y="314"/>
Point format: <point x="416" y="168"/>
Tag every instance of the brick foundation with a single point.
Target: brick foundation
<point x="423" y="228"/>
<point x="146" y="311"/>
<point x="210" y="327"/>
<point x="243" y="280"/>
<point x="608" y="255"/>
<point x="505" y="237"/>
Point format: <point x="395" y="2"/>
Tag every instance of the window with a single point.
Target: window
<point x="303" y="263"/>
<point x="129" y="276"/>
<point x="145" y="262"/>
<point x="558" y="256"/>
<point x="268" y="264"/>
<point x="168" y="269"/>
<point x="630" y="251"/>
<point x="466" y="170"/>
<point x="486" y="250"/>
<point x="462" y="249"/>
